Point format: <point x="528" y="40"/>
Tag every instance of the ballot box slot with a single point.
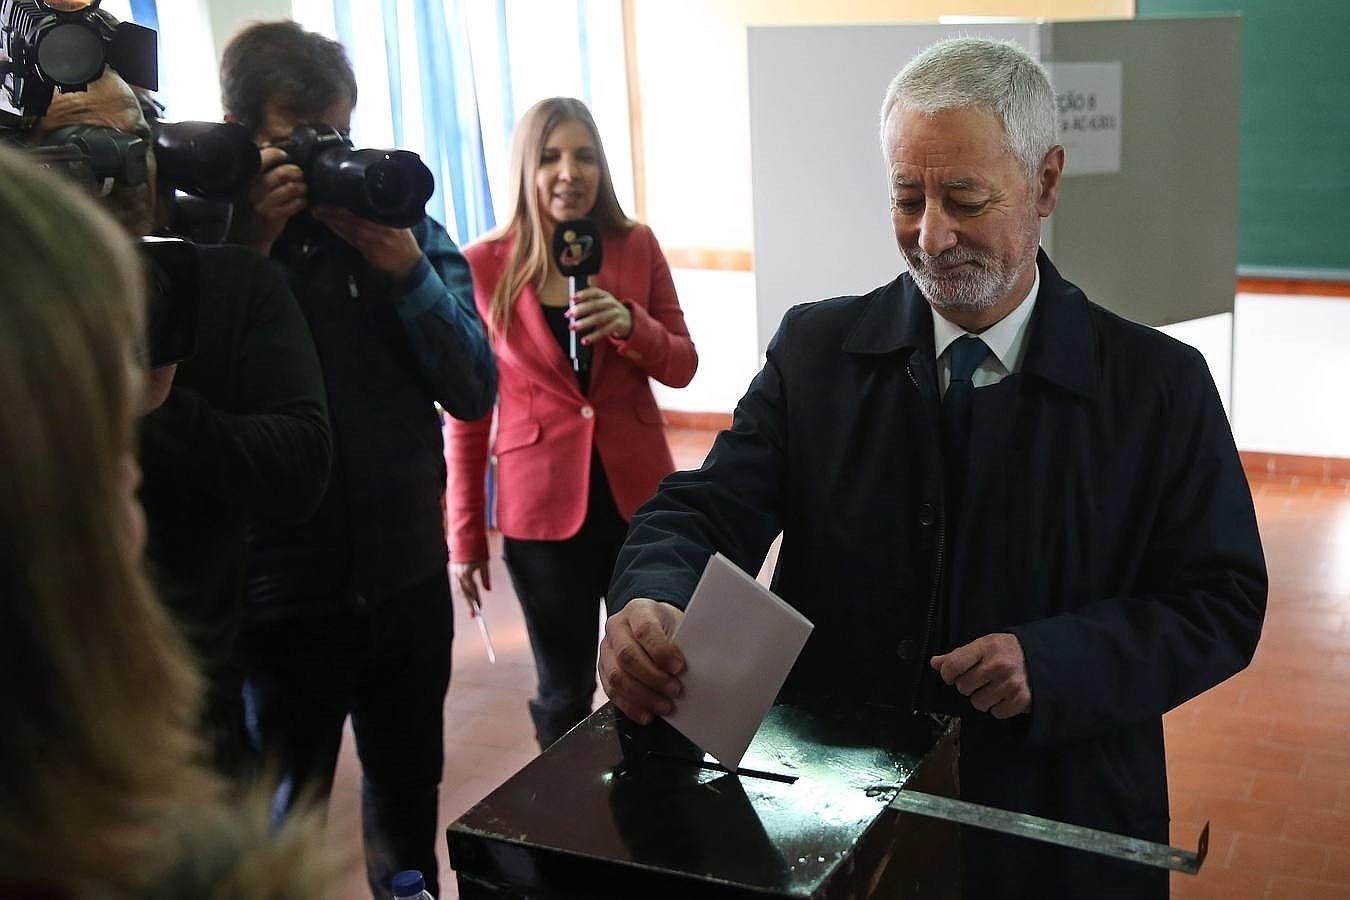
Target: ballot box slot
<point x="713" y="766"/>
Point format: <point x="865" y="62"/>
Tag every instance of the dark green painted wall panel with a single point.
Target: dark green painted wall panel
<point x="1294" y="195"/>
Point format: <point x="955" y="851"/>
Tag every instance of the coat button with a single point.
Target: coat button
<point x="587" y="412"/>
<point x="907" y="650"/>
<point x="928" y="514"/>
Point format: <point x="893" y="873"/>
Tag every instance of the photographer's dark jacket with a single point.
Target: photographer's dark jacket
<point x="1108" y="525"/>
<point x="390" y="350"/>
<point x="243" y="435"/>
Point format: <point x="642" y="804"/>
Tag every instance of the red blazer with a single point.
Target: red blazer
<point x="546" y="428"/>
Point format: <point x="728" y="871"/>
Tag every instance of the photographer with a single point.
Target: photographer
<point x="242" y="434"/>
<point x="351" y="612"/>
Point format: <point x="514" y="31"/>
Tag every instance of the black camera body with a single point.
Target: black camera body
<point x="390" y="187"/>
<point x="49" y="48"/>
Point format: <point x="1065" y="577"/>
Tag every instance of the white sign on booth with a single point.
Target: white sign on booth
<point x="1088" y="97"/>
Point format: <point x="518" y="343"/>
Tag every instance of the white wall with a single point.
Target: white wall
<point x="719" y="308"/>
<point x="1292" y="369"/>
<point x="227" y="15"/>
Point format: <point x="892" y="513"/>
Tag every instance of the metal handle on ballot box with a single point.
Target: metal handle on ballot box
<point x="1049" y="831"/>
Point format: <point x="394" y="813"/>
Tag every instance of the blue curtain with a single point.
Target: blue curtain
<point x="504" y="73"/>
<point x="453" y="140"/>
<point x="584" y="39"/>
<point x="444" y="125"/>
<point x="145" y="12"/>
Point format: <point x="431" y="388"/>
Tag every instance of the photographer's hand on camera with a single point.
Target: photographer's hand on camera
<point x="393" y="251"/>
<point x="276" y="194"/>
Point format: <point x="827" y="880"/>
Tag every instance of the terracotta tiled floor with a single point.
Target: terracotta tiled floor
<point x="1265" y="757"/>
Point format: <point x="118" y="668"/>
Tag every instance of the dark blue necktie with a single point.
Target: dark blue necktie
<point x="965" y="355"/>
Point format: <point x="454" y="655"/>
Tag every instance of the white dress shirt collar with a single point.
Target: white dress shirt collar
<point x="1006" y="340"/>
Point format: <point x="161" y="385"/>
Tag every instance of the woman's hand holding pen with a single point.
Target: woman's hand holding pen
<point x="463" y="574"/>
<point x="597" y="314"/>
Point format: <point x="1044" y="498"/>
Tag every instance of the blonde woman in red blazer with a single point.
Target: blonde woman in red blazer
<point x="575" y="454"/>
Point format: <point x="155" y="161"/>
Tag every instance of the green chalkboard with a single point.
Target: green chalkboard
<point x="1294" y="195"/>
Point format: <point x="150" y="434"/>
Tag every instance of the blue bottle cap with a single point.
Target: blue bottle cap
<point x="409" y="883"/>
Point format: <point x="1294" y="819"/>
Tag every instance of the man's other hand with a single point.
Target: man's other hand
<point x="277" y="193"/>
<point x="638" y="661"/>
<point x="992" y="672"/>
<point x="393" y="251"/>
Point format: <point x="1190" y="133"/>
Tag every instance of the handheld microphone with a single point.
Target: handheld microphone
<point x="576" y="252"/>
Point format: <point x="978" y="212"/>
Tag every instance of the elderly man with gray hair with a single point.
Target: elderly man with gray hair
<point x="998" y="500"/>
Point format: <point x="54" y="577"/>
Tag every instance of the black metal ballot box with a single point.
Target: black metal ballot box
<point x="617" y="810"/>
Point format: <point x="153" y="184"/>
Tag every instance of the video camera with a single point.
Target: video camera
<point x="52" y="45"/>
<point x="64" y="45"/>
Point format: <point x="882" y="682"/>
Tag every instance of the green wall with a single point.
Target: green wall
<point x="1294" y="175"/>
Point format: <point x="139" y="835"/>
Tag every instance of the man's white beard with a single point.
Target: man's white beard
<point x="976" y="290"/>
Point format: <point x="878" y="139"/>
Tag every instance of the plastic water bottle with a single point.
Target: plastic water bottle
<point x="410" y="885"/>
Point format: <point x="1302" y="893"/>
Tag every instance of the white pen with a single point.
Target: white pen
<point x="483" y="630"/>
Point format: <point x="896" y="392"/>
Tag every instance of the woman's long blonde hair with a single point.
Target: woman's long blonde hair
<point x="529" y="263"/>
<point x="101" y="770"/>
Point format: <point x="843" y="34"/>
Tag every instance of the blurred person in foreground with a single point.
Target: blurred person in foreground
<point x="575" y="453"/>
<point x="350" y="611"/>
<point x="998" y="500"/>
<point x="241" y="433"/>
<point x="106" y="791"/>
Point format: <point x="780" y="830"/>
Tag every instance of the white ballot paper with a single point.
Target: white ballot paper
<point x="739" y="641"/>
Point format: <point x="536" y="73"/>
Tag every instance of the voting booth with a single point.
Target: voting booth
<point x="1147" y="217"/>
<point x="618" y="810"/>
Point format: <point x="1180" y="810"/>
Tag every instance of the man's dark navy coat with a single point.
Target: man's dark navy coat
<point x="1107" y="524"/>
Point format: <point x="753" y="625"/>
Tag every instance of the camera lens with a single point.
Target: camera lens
<point x="104" y="152"/>
<point x="70" y="55"/>
<point x="208" y="159"/>
<point x="388" y="187"/>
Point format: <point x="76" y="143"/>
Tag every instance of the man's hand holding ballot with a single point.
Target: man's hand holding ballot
<point x="725" y="659"/>
<point x="639" y="663"/>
